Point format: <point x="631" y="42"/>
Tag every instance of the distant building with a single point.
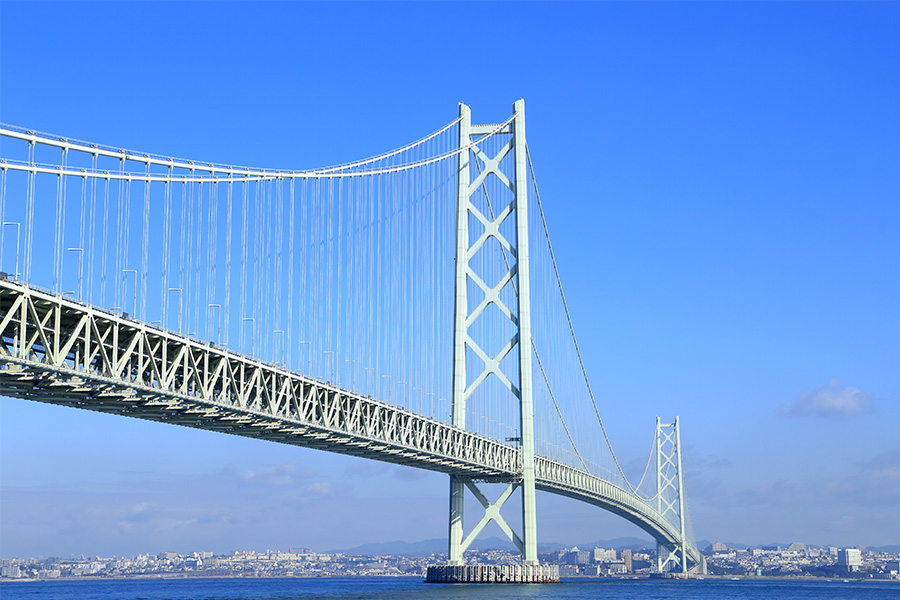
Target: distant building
<point x="568" y="570"/>
<point x="617" y="568"/>
<point x="11" y="571"/>
<point x="626" y="558"/>
<point x="719" y="547"/>
<point x="849" y="558"/>
<point x="601" y="555"/>
<point x="49" y="573"/>
<point x="797" y="546"/>
<point x="575" y="557"/>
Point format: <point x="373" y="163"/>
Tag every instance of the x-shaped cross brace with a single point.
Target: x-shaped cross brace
<point x="491" y="165"/>
<point x="492" y="513"/>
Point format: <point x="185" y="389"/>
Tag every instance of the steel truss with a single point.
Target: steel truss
<point x="63" y="352"/>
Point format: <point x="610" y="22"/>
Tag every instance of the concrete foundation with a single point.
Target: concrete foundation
<point x="493" y="574"/>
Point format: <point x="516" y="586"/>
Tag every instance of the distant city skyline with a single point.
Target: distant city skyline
<point x="609" y="558"/>
<point x="721" y="183"/>
<point x="437" y="546"/>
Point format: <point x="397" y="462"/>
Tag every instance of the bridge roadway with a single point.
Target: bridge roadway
<point x="61" y="351"/>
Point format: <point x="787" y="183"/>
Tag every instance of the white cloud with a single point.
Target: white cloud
<point x="283" y="475"/>
<point x="322" y="488"/>
<point x="830" y="400"/>
<point x="875" y="483"/>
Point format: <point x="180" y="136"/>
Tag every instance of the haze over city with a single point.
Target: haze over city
<point x="722" y="183"/>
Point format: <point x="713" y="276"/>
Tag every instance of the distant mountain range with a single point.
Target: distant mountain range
<point x="703" y="544"/>
<point x="439" y="545"/>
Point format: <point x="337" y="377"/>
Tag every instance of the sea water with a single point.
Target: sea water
<point x="409" y="588"/>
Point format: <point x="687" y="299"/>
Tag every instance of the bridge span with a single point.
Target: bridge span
<point x="63" y="352"/>
<point x="405" y="308"/>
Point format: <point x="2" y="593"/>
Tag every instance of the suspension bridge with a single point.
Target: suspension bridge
<point x="404" y="308"/>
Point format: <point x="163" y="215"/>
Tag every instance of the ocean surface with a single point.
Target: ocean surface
<point x="385" y="588"/>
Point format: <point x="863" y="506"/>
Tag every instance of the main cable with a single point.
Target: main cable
<point x="569" y="319"/>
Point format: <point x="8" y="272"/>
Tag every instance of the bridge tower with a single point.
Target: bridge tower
<point x="670" y="493"/>
<point x="471" y="176"/>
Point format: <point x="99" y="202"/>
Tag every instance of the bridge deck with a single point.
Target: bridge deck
<point x="63" y="352"/>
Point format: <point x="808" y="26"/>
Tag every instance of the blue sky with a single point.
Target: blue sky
<point x="721" y="181"/>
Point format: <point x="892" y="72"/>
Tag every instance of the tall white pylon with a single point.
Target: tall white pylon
<point x="518" y="276"/>
<point x="670" y="492"/>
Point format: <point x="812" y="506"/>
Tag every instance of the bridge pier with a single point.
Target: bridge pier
<point x="492" y="574"/>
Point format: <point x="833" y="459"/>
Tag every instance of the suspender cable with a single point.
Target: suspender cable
<point x="145" y="246"/>
<point x="167" y="225"/>
<point x="57" y="253"/>
<point x="120" y="252"/>
<point x="81" y="244"/>
<point x="92" y="235"/>
<point x="126" y="239"/>
<point x="104" y="242"/>
<point x="245" y="189"/>
<point x="3" y="170"/>
<point x="226" y="304"/>
<point x="29" y="213"/>
<point x="289" y="340"/>
<point x="198" y="258"/>
<point x="339" y="269"/>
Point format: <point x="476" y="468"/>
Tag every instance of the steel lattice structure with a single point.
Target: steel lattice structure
<point x="62" y="352"/>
